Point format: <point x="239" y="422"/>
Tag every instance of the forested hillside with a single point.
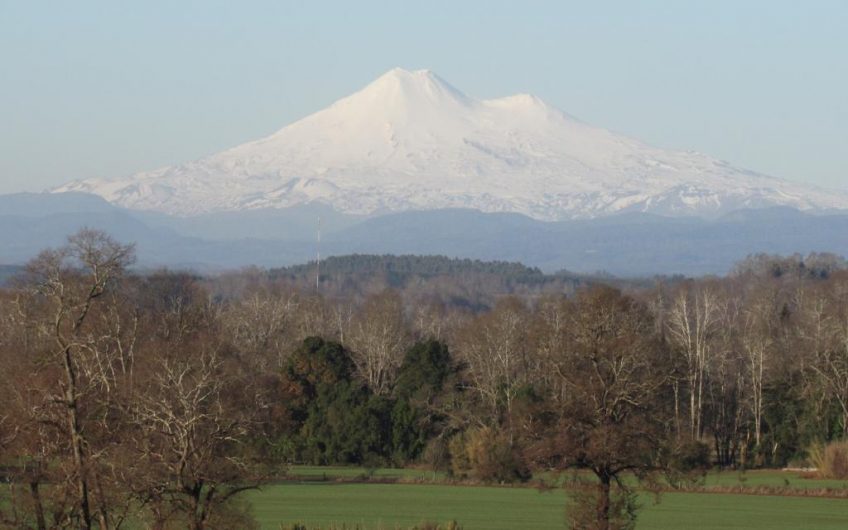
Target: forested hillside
<point x="468" y="283"/>
<point x="404" y="267"/>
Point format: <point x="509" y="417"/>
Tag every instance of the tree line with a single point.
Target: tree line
<point x="156" y="399"/>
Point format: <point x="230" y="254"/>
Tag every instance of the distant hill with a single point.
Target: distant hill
<point x="399" y="271"/>
<point x="466" y="283"/>
<point x="412" y="265"/>
<point x="626" y="245"/>
<point x="43" y="204"/>
<point x="7" y="272"/>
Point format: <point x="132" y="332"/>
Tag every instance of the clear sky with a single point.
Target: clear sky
<point x="99" y="89"/>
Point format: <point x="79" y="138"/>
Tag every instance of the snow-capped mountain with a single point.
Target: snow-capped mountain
<point x="411" y="141"/>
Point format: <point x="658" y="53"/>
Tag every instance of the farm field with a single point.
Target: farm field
<point x="772" y="478"/>
<point x="493" y="508"/>
<point x="724" y="479"/>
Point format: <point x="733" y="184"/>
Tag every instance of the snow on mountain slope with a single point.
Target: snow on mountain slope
<point x="411" y="141"/>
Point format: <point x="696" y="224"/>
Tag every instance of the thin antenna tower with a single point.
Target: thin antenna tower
<point x="318" y="260"/>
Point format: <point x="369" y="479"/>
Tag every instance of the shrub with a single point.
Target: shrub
<point x="436" y="455"/>
<point x="692" y="456"/>
<point x="582" y="508"/>
<point x="487" y="455"/>
<point x="831" y="460"/>
<point x="460" y="464"/>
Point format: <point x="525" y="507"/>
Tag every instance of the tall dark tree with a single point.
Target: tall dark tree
<point x="425" y="369"/>
<point x="335" y="418"/>
<point x="614" y="418"/>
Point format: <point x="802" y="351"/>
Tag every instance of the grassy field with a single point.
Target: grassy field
<point x="347" y="472"/>
<point x="492" y="508"/>
<point x="789" y="479"/>
<point x="316" y="497"/>
<point x="748" y="479"/>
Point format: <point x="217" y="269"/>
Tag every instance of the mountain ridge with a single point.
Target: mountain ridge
<point x="628" y="244"/>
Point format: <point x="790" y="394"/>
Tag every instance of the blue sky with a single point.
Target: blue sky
<point x="109" y="88"/>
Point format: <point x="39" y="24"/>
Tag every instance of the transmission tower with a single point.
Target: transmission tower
<point x="318" y="257"/>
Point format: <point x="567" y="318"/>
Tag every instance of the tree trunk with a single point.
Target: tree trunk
<point x="677" y="408"/>
<point x="40" y="522"/>
<point x="158" y="518"/>
<point x="692" y="409"/>
<point x="700" y="405"/>
<point x="198" y="513"/>
<point x="603" y="509"/>
<point x="102" y="509"/>
<point x="76" y="438"/>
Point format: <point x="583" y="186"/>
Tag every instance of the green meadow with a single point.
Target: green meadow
<point x="324" y="497"/>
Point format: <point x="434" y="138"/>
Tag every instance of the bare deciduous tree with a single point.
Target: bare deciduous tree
<point x="70" y="281"/>
<point x="191" y="424"/>
<point x="830" y="345"/>
<point x="495" y="348"/>
<point x="260" y="326"/>
<point x="757" y="344"/>
<point x="612" y="421"/>
<point x="692" y="324"/>
<point x="378" y="339"/>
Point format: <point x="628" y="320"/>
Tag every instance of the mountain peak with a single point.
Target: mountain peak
<point x="401" y="73"/>
<point x="411" y="141"/>
<point x="409" y="77"/>
<point x="410" y="87"/>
